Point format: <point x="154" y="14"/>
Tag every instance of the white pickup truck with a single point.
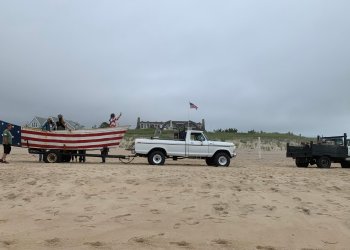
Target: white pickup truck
<point x="192" y="144"/>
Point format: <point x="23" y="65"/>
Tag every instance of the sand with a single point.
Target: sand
<point x="255" y="203"/>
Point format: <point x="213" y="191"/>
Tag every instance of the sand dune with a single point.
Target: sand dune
<point x="253" y="204"/>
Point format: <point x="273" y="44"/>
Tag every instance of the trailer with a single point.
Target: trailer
<point x="323" y="152"/>
<point x="61" y="145"/>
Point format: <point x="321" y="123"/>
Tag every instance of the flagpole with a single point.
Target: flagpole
<point x="188" y="116"/>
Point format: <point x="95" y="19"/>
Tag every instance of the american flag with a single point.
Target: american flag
<point x="73" y="140"/>
<point x="193" y="106"/>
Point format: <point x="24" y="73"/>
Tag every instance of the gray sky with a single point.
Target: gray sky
<point x="263" y="65"/>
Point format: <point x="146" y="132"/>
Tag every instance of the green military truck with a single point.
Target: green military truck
<point x="323" y="152"/>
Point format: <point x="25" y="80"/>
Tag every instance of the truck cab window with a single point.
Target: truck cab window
<point x="197" y="137"/>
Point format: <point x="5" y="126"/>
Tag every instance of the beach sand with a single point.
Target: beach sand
<point x="255" y="203"/>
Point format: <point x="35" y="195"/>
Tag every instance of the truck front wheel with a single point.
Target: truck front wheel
<point x="323" y="162"/>
<point x="156" y="158"/>
<point x="221" y="159"/>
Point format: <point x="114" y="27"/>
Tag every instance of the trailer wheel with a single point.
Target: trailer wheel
<point x="301" y="162"/>
<point x="51" y="157"/>
<point x="221" y="159"/>
<point x="323" y="162"/>
<point x="156" y="158"/>
<point x="210" y="161"/>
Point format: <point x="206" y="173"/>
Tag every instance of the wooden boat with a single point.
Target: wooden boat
<point x="85" y="139"/>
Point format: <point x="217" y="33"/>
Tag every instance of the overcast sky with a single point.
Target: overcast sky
<point x="250" y="64"/>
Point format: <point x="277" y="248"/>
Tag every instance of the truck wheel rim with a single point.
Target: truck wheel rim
<point x="52" y="158"/>
<point x="324" y="162"/>
<point x="222" y="160"/>
<point x="157" y="159"/>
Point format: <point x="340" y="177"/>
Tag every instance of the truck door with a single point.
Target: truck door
<point x="197" y="145"/>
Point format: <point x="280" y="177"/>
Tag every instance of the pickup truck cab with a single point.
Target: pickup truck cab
<point x="189" y="144"/>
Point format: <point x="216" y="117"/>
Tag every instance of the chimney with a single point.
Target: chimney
<point x="138" y="123"/>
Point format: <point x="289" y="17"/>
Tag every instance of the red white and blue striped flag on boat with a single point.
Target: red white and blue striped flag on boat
<point x="73" y="140"/>
<point x="83" y="139"/>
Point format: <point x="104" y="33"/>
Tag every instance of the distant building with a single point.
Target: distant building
<point x="170" y="124"/>
<point x="38" y="122"/>
<point x="148" y="124"/>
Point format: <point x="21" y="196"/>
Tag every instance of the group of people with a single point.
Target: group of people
<point x="50" y="125"/>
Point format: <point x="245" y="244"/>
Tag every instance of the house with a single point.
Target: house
<point x="38" y="122"/>
<point x="170" y="124"/>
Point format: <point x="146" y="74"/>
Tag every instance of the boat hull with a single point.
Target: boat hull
<point x="88" y="139"/>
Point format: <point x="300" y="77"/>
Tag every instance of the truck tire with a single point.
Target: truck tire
<point x="51" y="157"/>
<point x="156" y="158"/>
<point x="324" y="162"/>
<point x="345" y="164"/>
<point x="301" y="162"/>
<point x="221" y="159"/>
<point x="210" y="161"/>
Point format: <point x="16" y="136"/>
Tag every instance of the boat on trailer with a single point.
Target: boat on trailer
<point x="84" y="139"/>
<point x="61" y="145"/>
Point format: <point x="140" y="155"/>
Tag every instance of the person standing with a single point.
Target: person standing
<point x="48" y="126"/>
<point x="113" y="120"/>
<point x="7" y="142"/>
<point x="61" y="124"/>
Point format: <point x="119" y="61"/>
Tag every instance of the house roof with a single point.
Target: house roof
<point x="181" y="123"/>
<point x="40" y="120"/>
<point x="72" y="124"/>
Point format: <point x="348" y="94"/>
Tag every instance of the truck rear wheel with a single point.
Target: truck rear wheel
<point x="323" y="162"/>
<point x="221" y="159"/>
<point x="156" y="158"/>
